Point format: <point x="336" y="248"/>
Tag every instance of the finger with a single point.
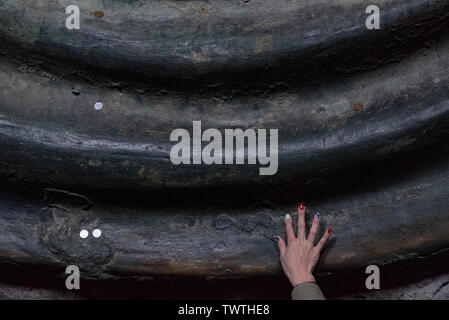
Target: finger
<point x="289" y="228"/>
<point x="314" y="228"/>
<point x="301" y="221"/>
<point x="323" y="240"/>
<point x="281" y="244"/>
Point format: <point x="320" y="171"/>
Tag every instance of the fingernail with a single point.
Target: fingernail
<point x="287" y="216"/>
<point x="276" y="239"/>
<point x="317" y="214"/>
<point x="301" y="206"/>
<point x="329" y="230"/>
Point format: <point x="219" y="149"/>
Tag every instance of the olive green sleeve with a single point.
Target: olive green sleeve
<point x="307" y="291"/>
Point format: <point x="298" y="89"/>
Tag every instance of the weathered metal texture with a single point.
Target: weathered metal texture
<point x="126" y="145"/>
<point x="382" y="224"/>
<point x="362" y="117"/>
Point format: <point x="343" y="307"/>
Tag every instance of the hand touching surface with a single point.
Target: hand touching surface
<point x="300" y="256"/>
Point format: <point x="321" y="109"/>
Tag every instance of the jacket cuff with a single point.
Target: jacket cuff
<point x="307" y="291"/>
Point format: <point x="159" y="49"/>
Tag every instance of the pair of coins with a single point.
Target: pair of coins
<point x="84" y="233"/>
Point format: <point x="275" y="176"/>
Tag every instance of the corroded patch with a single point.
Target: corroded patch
<point x="98" y="14"/>
<point x="59" y="234"/>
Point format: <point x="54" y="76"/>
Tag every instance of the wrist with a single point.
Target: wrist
<point x="302" y="278"/>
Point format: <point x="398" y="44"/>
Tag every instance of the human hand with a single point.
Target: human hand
<point x="300" y="256"/>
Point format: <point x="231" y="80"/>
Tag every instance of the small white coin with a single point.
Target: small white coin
<point x="84" y="234"/>
<point x="96" y="233"/>
<point x="98" y="106"/>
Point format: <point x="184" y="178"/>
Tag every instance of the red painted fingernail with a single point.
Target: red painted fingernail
<point x="329" y="230"/>
<point x="301" y="206"/>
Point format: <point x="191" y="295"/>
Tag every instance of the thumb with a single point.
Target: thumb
<point x="281" y="244"/>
